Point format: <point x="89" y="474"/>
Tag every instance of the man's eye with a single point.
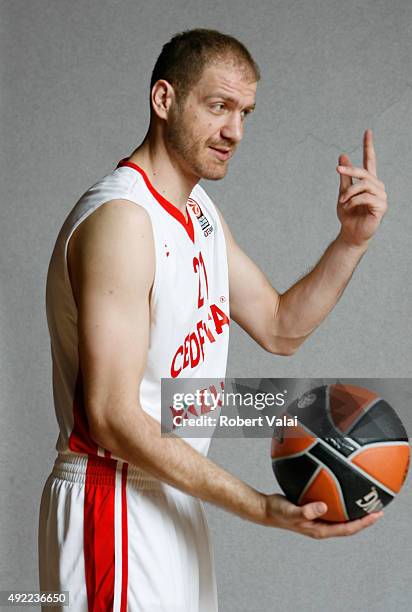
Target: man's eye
<point x="218" y="106"/>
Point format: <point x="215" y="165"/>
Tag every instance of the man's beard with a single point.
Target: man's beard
<point x="189" y="149"/>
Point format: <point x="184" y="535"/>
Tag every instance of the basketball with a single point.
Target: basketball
<point x="348" y="449"/>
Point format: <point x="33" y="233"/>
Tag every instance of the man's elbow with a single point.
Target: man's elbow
<point x="117" y="424"/>
<point x="284" y="347"/>
<point x="106" y="429"/>
<point x="285" y="352"/>
<point x="282" y="352"/>
<point x="102" y="433"/>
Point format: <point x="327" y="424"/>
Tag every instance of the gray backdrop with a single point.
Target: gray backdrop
<point x="74" y="85"/>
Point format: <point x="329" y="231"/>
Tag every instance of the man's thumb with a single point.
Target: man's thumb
<point x="314" y="510"/>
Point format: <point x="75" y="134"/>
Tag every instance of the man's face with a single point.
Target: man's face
<point x="203" y="133"/>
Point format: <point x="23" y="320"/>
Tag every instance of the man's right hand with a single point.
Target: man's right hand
<point x="306" y="519"/>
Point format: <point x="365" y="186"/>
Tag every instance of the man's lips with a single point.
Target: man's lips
<point x="222" y="153"/>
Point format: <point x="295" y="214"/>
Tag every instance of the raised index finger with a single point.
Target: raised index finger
<point x="369" y="156"/>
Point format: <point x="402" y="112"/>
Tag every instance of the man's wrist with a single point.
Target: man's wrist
<point x="346" y="243"/>
<point x="262" y="517"/>
<point x="253" y="508"/>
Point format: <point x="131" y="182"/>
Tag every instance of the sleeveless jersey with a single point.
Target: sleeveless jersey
<point x="189" y="302"/>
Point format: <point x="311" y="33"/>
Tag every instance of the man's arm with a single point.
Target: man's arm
<point x="281" y="322"/>
<point x="111" y="264"/>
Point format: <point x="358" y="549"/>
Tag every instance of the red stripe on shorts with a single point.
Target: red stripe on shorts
<point x="123" y="605"/>
<point x="99" y="534"/>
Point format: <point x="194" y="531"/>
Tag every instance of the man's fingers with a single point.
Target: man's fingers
<point x="372" y="202"/>
<point x="323" y="530"/>
<point x="344" y="181"/>
<point x="307" y="519"/>
<point x="347" y="172"/>
<point x="369" y="156"/>
<point x="360" y="173"/>
<point x="364" y="185"/>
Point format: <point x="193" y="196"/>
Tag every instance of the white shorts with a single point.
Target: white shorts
<point x="119" y="542"/>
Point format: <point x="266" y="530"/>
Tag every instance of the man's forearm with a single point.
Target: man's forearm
<point x="136" y="438"/>
<point x="304" y="306"/>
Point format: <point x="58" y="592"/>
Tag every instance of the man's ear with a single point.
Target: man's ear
<point x="162" y="98"/>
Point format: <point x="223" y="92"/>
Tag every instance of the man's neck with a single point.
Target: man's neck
<point x="163" y="172"/>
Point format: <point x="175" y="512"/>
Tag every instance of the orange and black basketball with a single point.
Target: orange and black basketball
<point x="348" y="449"/>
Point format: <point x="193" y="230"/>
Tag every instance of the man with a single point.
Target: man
<point x="143" y="260"/>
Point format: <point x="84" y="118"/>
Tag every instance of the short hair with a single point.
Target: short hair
<point x="183" y="59"/>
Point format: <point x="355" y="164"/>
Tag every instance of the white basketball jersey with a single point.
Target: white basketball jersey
<point x="189" y="302"/>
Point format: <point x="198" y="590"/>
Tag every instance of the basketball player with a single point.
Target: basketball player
<point x="143" y="265"/>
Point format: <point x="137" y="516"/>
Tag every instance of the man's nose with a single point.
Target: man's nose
<point x="233" y="127"/>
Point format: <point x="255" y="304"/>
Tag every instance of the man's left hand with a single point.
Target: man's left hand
<point x="361" y="205"/>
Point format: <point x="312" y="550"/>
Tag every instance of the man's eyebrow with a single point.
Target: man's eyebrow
<point x="227" y="98"/>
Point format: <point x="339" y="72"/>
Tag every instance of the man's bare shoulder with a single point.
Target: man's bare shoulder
<point x="112" y="222"/>
<point x="114" y="215"/>
<point x="116" y="240"/>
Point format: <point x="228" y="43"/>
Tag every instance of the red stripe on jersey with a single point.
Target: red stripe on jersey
<point x="125" y="559"/>
<point x="168" y="206"/>
<point x="80" y="440"/>
<point x="98" y="533"/>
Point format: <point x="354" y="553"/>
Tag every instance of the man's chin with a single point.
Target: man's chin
<point x="215" y="174"/>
